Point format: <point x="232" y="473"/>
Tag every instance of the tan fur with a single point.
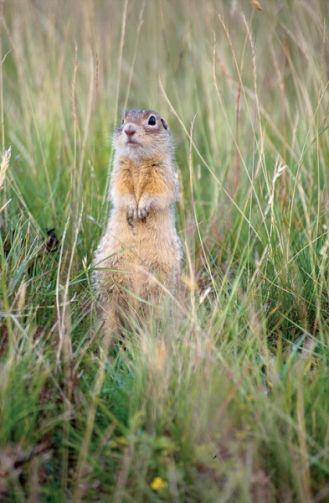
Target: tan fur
<point x="139" y="254"/>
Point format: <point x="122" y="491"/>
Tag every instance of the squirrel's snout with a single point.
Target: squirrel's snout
<point x="130" y="130"/>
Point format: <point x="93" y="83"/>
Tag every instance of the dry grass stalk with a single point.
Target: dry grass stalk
<point x="4" y="165"/>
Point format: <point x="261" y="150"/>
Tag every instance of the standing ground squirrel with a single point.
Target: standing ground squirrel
<point x="139" y="254"/>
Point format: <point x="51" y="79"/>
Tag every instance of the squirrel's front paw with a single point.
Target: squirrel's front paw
<point x="132" y="213"/>
<point x="143" y="211"/>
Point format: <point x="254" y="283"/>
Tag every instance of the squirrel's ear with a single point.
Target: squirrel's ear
<point x="165" y="125"/>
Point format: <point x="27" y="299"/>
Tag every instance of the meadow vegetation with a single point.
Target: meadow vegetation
<point x="230" y="404"/>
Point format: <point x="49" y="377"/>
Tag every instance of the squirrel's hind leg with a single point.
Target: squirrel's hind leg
<point x="109" y="313"/>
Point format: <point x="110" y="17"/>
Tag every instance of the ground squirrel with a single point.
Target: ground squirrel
<point x="139" y="254"/>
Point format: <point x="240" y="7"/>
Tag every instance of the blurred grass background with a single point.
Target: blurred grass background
<point x="233" y="404"/>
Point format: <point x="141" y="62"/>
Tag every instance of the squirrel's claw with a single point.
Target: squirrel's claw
<point x="143" y="212"/>
<point x="134" y="213"/>
<point x="131" y="214"/>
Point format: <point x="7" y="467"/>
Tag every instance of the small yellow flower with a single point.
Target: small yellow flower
<point x="158" y="484"/>
<point x="121" y="441"/>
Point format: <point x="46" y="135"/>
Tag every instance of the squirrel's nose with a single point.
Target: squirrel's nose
<point x="130" y="130"/>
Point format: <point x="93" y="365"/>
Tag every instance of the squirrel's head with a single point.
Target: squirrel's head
<point x="142" y="134"/>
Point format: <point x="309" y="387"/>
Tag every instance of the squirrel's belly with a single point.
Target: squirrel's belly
<point x="145" y="244"/>
<point x="156" y="236"/>
<point x="141" y="257"/>
<point x="155" y="243"/>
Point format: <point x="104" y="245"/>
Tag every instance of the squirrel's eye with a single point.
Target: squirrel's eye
<point x="152" y="121"/>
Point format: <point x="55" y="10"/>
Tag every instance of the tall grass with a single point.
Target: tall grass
<point x="232" y="403"/>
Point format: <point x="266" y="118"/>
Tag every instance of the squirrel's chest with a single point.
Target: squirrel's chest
<point x="138" y="178"/>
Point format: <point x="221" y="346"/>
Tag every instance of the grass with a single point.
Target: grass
<point x="231" y="405"/>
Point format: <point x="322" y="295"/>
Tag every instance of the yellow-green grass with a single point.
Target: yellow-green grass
<point x="231" y="403"/>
